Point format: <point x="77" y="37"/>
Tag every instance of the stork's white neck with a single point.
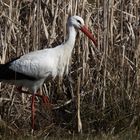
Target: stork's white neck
<point x="67" y="48"/>
<point x="71" y="37"/>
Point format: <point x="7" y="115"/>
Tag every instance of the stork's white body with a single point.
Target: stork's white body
<point x="40" y="65"/>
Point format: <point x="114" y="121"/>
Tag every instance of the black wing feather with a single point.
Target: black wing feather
<point x="8" y="74"/>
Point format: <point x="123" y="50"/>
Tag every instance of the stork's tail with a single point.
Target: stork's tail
<point x="1" y="71"/>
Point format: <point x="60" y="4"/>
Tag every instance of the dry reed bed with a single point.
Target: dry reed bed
<point x="107" y="78"/>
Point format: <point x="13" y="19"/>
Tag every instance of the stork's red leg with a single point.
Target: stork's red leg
<point x="33" y="111"/>
<point x="46" y="102"/>
<point x="44" y="97"/>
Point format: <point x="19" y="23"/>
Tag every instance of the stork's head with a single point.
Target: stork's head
<point x="78" y="23"/>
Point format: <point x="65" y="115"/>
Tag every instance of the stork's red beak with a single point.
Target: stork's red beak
<point x="88" y="34"/>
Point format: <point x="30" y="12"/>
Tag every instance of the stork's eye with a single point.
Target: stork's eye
<point x="79" y="21"/>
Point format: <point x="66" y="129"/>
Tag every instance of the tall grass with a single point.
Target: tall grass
<point x="107" y="78"/>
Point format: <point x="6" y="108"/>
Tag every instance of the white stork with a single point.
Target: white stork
<point x="32" y="69"/>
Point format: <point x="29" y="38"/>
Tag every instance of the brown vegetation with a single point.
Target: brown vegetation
<point x="107" y="78"/>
